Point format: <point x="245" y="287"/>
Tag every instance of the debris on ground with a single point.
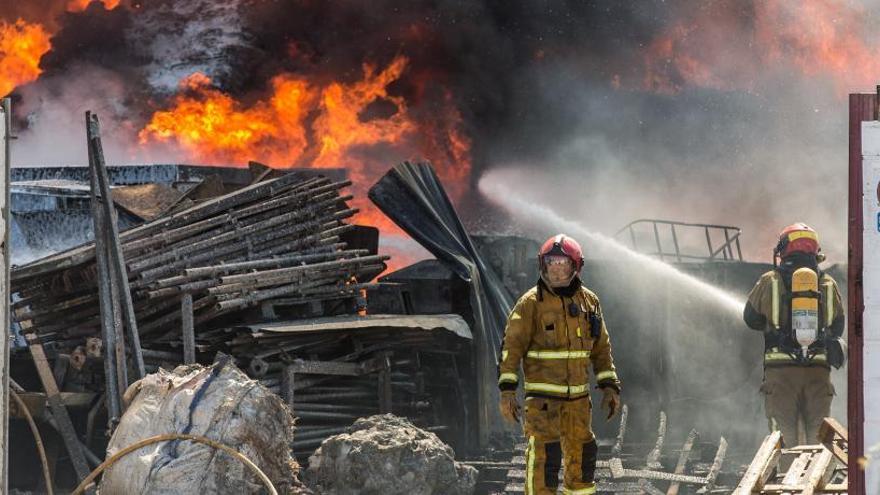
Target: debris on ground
<point x="218" y="402"/>
<point x="623" y="470"/>
<point x="386" y="454"/>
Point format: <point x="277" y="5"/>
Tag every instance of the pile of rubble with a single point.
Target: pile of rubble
<point x="270" y="275"/>
<point x="386" y="454"/>
<point x="129" y="302"/>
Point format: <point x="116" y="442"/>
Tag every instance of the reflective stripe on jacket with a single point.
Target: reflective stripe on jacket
<point x="555" y="348"/>
<point x="771" y="299"/>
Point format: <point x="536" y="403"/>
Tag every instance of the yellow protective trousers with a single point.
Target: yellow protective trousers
<point x="795" y="394"/>
<point x="559" y="433"/>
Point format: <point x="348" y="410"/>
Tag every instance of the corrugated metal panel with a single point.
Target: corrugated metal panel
<point x="413" y="197"/>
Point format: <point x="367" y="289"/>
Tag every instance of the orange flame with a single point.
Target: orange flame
<point x="210" y="127"/>
<point x="326" y="125"/>
<point x="81" y="5"/>
<point x="21" y="47"/>
<point x="339" y="127"/>
<point x="820" y="38"/>
<point x="712" y="48"/>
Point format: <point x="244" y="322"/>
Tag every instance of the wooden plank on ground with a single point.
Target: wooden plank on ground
<point x="762" y="465"/>
<point x="835" y="438"/>
<point x="821" y="470"/>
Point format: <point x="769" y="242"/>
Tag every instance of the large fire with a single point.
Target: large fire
<point x="304" y="123"/>
<point x="21" y="46"/>
<point x="310" y="120"/>
<point x="211" y="127"/>
<point x="713" y="48"/>
<point x="339" y="127"/>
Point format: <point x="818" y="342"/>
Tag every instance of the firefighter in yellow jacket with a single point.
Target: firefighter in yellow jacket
<point x="799" y="309"/>
<point x="556" y="331"/>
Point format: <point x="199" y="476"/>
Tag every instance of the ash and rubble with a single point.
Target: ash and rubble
<point x="333" y="367"/>
<point x="421" y="351"/>
<point x="387" y="454"/>
<point x="277" y="279"/>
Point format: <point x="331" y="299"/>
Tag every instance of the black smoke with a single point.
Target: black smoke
<point x="553" y="89"/>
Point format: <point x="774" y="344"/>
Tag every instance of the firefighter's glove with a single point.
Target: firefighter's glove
<point x="610" y="401"/>
<point x="509" y="406"/>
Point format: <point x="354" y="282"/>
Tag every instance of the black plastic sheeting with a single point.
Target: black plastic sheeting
<point x="413" y="197"/>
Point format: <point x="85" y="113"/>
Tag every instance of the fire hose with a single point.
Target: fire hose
<point x="175" y="436"/>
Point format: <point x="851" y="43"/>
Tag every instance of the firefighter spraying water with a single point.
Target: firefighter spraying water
<point x="799" y="310"/>
<point x="537" y="214"/>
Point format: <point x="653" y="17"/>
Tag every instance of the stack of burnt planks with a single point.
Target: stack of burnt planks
<point x="173" y="282"/>
<point x="275" y="239"/>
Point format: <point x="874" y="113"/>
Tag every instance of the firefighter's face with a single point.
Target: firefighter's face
<point x="559" y="270"/>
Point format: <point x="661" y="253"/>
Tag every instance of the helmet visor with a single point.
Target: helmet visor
<point x="558" y="270"/>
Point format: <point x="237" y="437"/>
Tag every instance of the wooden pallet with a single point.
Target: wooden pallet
<point x="813" y="469"/>
<point x="835" y="438"/>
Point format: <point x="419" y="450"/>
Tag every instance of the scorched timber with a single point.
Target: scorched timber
<point x="274" y="239"/>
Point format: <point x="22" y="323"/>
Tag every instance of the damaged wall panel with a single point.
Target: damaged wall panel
<point x="413" y="197"/>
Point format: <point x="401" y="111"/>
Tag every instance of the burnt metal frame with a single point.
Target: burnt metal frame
<point x="725" y="250"/>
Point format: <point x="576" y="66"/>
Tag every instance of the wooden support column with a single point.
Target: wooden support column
<point x="53" y="397"/>
<point x="189" y="336"/>
<point x="385" y="384"/>
<point x="287" y="385"/>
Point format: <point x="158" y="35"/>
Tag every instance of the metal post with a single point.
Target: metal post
<point x="189" y="336"/>
<point x="6" y="132"/>
<point x="709" y="243"/>
<point x="675" y="242"/>
<point x="728" y="248"/>
<point x="739" y="252"/>
<point x="119" y="337"/>
<point x="114" y="246"/>
<point x="657" y="239"/>
<point x="385" y="384"/>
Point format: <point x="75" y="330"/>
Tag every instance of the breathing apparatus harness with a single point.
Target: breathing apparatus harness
<point x="801" y="335"/>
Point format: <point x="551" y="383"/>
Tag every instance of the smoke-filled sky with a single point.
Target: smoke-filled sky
<point x="724" y="111"/>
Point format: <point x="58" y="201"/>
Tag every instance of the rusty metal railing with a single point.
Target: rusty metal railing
<point x="728" y="250"/>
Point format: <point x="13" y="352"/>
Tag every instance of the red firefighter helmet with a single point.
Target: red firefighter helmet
<point x="797" y="238"/>
<point x="560" y="245"/>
